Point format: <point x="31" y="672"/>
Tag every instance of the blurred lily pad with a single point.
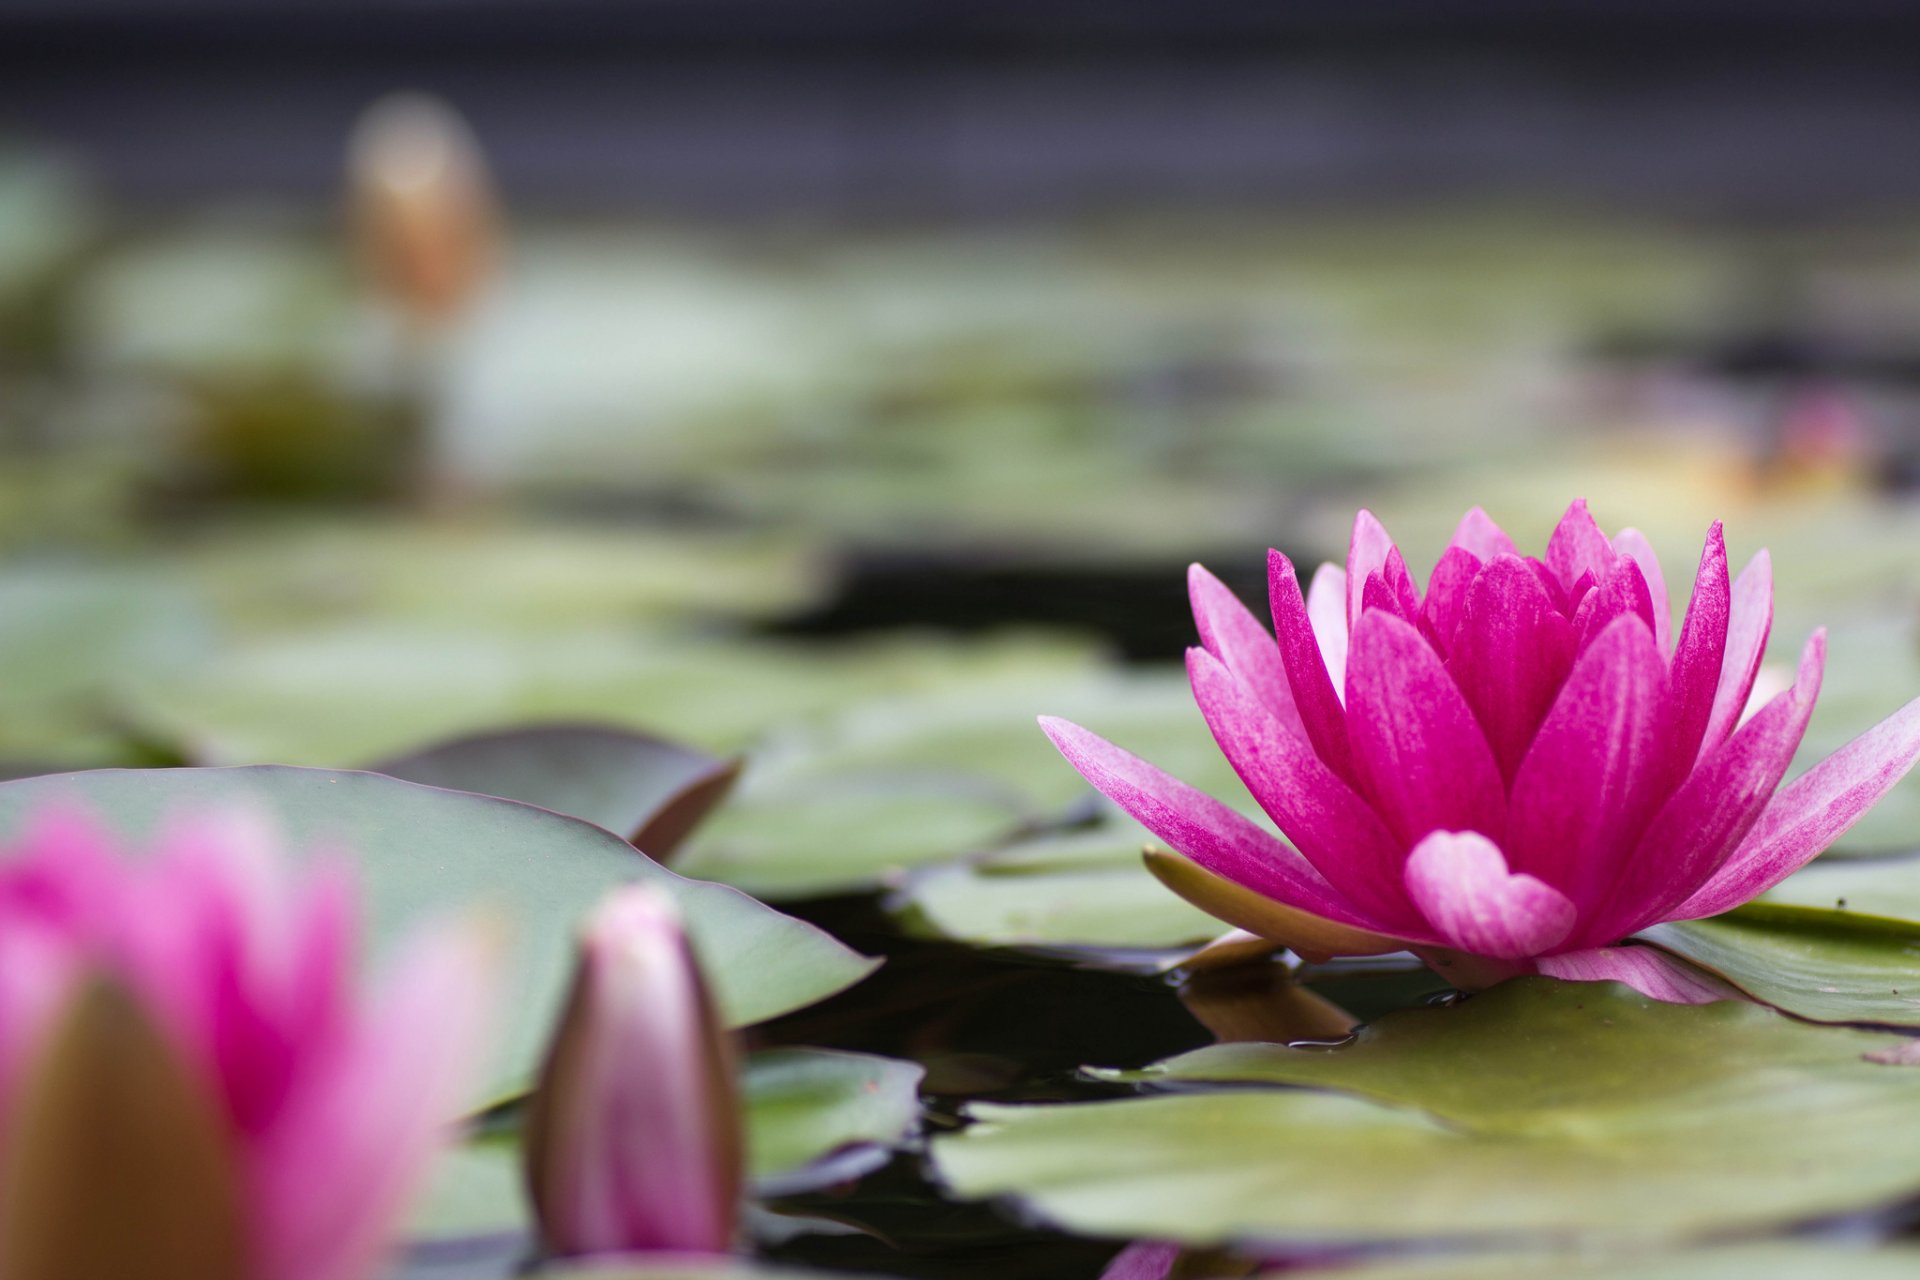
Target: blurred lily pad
<point x="1576" y="1111"/>
<point x="802" y="1106"/>
<point x="422" y="850"/>
<point x="1775" y="1260"/>
<point x="1823" y="964"/>
<point x="1079" y="889"/>
<point x="892" y="784"/>
<point x="634" y="784"/>
<point x="806" y="1105"/>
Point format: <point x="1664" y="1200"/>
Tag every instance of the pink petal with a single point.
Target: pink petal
<point x="1510" y="657"/>
<point x="1143" y="1260"/>
<point x="1812" y="812"/>
<point x="1367" y="554"/>
<point x="37" y="968"/>
<point x="1591" y="780"/>
<point x="1196" y="825"/>
<point x="1631" y="542"/>
<point x="1238" y="639"/>
<point x="1333" y="828"/>
<point x="1461" y="883"/>
<point x="1700" y="653"/>
<point x="1327" y="614"/>
<point x="1421" y="754"/>
<point x="1621" y="592"/>
<point x="1652" y="973"/>
<point x="1578" y="549"/>
<point x="1479" y="536"/>
<point x="1313" y="693"/>
<point x="1705" y="820"/>
<point x="1447" y="590"/>
<point x="334" y="1175"/>
<point x="1750" y="619"/>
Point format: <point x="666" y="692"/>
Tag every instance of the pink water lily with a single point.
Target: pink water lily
<point x="1510" y="772"/>
<point x="190" y="1084"/>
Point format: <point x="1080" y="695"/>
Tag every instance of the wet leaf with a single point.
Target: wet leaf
<point x="1583" y="1111"/>
<point x="424" y="850"/>
<point x="634" y="784"/>
<point x="1831" y="966"/>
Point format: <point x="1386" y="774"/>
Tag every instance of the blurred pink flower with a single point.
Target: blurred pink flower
<point x="1507" y="774"/>
<point x="634" y="1142"/>
<point x="321" y="1109"/>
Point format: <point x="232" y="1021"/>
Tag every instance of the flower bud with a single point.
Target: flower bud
<point x="633" y="1135"/>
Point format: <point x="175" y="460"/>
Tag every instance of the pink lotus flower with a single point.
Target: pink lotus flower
<point x="188" y="1085"/>
<point x="1507" y="774"/>
<point x="634" y="1140"/>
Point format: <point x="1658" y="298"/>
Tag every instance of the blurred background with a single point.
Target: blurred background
<point x="843" y="372"/>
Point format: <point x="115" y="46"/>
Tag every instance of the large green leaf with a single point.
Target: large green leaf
<point x="1828" y="965"/>
<point x="1080" y="889"/>
<point x="645" y="788"/>
<point x="424" y="850"/>
<point x="1583" y="1111"/>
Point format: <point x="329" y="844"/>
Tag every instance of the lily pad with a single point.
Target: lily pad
<point x="1581" y="1111"/>
<point x="891" y="785"/>
<point x="1827" y="965"/>
<point x="793" y="838"/>
<point x="422" y="850"/>
<point x="1081" y="889"/>
<point x="1775" y="1260"/>
<point x="805" y="1105"/>
<point x="646" y="788"/>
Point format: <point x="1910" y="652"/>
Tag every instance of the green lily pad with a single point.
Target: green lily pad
<point x="1580" y="1111"/>
<point x="648" y="789"/>
<point x="1827" y="965"/>
<point x="422" y="850"/>
<point x="1081" y="889"/>
<point x="789" y="838"/>
<point x="802" y="1106"/>
<point x="1774" y="1260"/>
<point x="891" y="785"/>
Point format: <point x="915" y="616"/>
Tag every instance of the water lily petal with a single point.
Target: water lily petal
<point x="1812" y="812"/>
<point x="1652" y="973"/>
<point x="1461" y="882"/>
<point x="1212" y="834"/>
<point x="1700" y="653"/>
<point x="1510" y="656"/>
<point x="1750" y="618"/>
<point x="1620" y="591"/>
<point x="1578" y="549"/>
<point x="1327" y="614"/>
<point x="1447" y="589"/>
<point x="1590" y="782"/>
<point x="1237" y="638"/>
<point x="1478" y="535"/>
<point x="1367" y="554"/>
<point x="1632" y="542"/>
<point x="1705" y="820"/>
<point x="1307" y="670"/>
<point x="1424" y="761"/>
